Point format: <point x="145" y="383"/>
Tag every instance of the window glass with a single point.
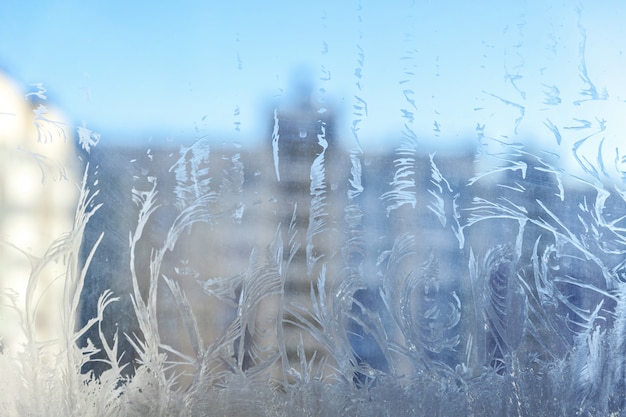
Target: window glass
<point x="274" y="208"/>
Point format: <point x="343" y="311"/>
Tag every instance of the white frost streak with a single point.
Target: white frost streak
<point x="87" y="138"/>
<point x="444" y="194"/>
<point x="437" y="206"/>
<point x="317" y="219"/>
<point x="403" y="184"/>
<point x="192" y="174"/>
<point x="356" y="187"/>
<point x="275" y="137"/>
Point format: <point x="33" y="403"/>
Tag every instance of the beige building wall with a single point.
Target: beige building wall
<point x="39" y="186"/>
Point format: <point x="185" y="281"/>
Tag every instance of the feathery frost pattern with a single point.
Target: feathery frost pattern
<point x="404" y="182"/>
<point x="193" y="180"/>
<point x="535" y="310"/>
<point x="212" y="279"/>
<point x="318" y="212"/>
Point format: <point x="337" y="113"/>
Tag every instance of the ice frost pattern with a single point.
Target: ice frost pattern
<point x="301" y="278"/>
<point x="488" y="289"/>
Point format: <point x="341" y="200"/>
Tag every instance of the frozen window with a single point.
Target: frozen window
<point x="408" y="208"/>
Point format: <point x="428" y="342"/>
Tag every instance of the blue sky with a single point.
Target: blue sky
<point x="176" y="68"/>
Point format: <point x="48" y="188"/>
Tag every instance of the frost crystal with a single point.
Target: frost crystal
<point x="87" y="138"/>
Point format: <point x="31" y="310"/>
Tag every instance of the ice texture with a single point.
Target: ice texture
<point x="521" y="316"/>
<point x="311" y="275"/>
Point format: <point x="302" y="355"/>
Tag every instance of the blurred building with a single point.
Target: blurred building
<point x="38" y="196"/>
<point x="257" y="198"/>
<point x="305" y="206"/>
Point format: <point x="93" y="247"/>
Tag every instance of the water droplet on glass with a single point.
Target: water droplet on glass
<point x="302" y="133"/>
